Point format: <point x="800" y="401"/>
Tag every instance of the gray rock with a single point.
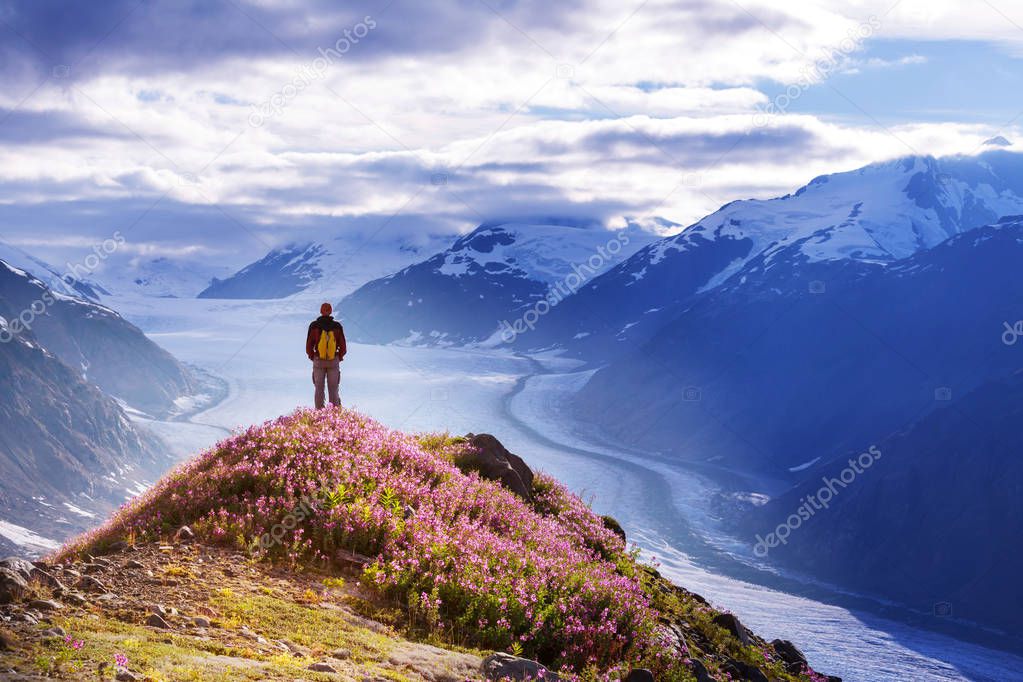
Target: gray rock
<point x="156" y="621"/>
<point x="611" y="523"/>
<point x="22" y="567"/>
<point x="55" y="631"/>
<point x="322" y="668"/>
<point x="125" y="675"/>
<point x="48" y="579"/>
<point x="75" y="599"/>
<point x="731" y="623"/>
<point x="341" y="654"/>
<point x="45" y="605"/>
<point x="90" y="584"/>
<point x="133" y="564"/>
<point x="499" y="666"/>
<point x="200" y="622"/>
<point x="743" y="671"/>
<point x="12" y="586"/>
<point x="184" y="534"/>
<point x="495" y="463"/>
<point x="793" y="658"/>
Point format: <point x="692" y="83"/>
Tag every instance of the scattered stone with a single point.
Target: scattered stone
<point x="296" y="649"/>
<point x="125" y="675"/>
<point x="12" y="586"/>
<point x="499" y="666"/>
<point x="611" y="523"/>
<point x="75" y="599"/>
<point x="207" y="611"/>
<point x="45" y="605"/>
<point x="341" y="654"/>
<point x="322" y="668"/>
<point x="493" y="462"/>
<point x="90" y="584"/>
<point x="55" y="631"/>
<point x="184" y="534"/>
<point x="27" y="618"/>
<point x="134" y="564"/>
<point x="22" y="567"/>
<point x="92" y="567"/>
<point x="156" y="621"/>
<point x="105" y="563"/>
<point x="200" y="622"/>
<point x="639" y="675"/>
<point x="71" y="573"/>
<point x="793" y="658"/>
<point x="6" y="640"/>
<point x="743" y="671"/>
<point x="107" y="598"/>
<point x="48" y="579"/>
<point x="731" y="623"/>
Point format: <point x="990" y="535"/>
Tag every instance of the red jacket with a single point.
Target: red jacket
<point x="325" y="323"/>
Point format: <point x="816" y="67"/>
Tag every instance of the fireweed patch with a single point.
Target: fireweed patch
<point x="463" y="554"/>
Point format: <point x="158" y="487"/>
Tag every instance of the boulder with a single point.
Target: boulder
<point x="494" y="463"/>
<point x="731" y="623"/>
<point x="322" y="668"/>
<point x="12" y="586"/>
<point x="155" y="621"/>
<point x="611" y="523"/>
<point x="792" y="657"/>
<point x="501" y="666"/>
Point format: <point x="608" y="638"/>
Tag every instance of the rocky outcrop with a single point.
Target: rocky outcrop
<point x="501" y="666"/>
<point x="494" y="462"/>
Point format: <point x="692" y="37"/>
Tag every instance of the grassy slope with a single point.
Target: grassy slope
<point x="451" y="559"/>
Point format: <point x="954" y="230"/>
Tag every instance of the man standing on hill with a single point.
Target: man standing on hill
<point x="325" y="345"/>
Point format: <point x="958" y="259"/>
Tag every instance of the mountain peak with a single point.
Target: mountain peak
<point x="998" y="141"/>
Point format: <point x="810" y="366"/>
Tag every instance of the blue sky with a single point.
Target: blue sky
<point x="211" y="131"/>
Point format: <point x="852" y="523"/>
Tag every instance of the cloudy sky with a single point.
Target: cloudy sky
<point x="213" y="130"/>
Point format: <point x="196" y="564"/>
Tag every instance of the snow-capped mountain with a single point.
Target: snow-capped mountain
<point x="68" y="452"/>
<point x="64" y="281"/>
<point x="329" y="269"/>
<point x="486" y="282"/>
<point x="878" y="214"/>
<point x="94" y="341"/>
<point x="160" y="277"/>
<point x="803" y="360"/>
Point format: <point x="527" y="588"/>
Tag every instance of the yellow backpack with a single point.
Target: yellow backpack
<point x="327" y="346"/>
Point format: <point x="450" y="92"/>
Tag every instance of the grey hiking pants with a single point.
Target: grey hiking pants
<point x="326" y="374"/>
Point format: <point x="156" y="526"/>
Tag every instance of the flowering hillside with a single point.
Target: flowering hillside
<point x="470" y="563"/>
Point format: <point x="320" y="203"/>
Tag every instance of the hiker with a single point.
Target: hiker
<point x="325" y="345"/>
